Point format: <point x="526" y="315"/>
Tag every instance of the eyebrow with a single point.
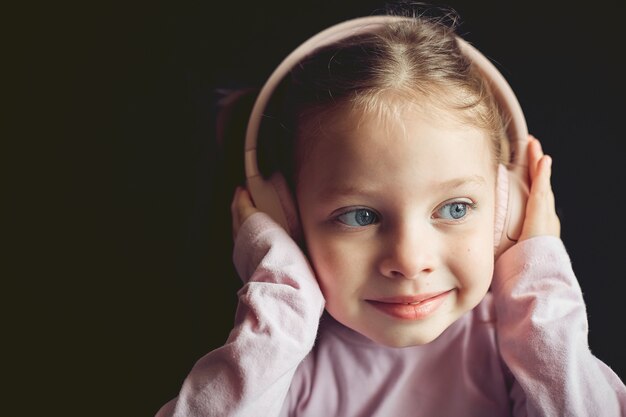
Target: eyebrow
<point x="451" y="184"/>
<point x="476" y="180"/>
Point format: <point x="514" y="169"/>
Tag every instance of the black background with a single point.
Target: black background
<point x="120" y="258"/>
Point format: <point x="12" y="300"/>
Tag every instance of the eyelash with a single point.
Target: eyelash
<point x="337" y="218"/>
<point x="469" y="207"/>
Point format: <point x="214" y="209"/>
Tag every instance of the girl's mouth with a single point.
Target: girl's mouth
<point x="413" y="307"/>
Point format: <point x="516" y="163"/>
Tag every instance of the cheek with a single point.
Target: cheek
<point x="327" y="267"/>
<point x="474" y="261"/>
<point x="326" y="261"/>
<point x="340" y="266"/>
<point x="472" y="251"/>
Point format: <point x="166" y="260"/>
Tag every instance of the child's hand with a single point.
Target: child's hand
<point x="541" y="218"/>
<point x="241" y="208"/>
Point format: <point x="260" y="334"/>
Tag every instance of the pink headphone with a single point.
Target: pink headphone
<point x="273" y="197"/>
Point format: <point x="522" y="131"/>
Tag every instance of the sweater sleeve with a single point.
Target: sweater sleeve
<point x="542" y="336"/>
<point x="275" y="327"/>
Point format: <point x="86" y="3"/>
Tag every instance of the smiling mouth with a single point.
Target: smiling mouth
<point x="411" y="307"/>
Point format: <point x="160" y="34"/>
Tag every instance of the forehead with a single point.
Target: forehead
<point x="394" y="138"/>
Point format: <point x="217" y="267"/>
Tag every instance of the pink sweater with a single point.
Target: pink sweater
<point x="522" y="351"/>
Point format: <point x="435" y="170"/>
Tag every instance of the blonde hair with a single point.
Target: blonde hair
<point x="416" y="60"/>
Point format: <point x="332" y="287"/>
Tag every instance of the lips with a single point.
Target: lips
<point x="411" y="307"/>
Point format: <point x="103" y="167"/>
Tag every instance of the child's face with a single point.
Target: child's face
<point x="393" y="213"/>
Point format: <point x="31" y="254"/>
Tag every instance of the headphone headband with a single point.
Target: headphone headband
<point x="517" y="129"/>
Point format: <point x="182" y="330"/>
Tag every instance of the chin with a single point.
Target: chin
<point x="402" y="338"/>
<point x="414" y="333"/>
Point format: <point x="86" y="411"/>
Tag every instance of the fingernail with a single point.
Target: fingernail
<point x="548" y="161"/>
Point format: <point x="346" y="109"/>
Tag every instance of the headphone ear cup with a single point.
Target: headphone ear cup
<point x="287" y="204"/>
<point x="273" y="197"/>
<point x="513" y="206"/>
<point x="266" y="199"/>
<point x="502" y="202"/>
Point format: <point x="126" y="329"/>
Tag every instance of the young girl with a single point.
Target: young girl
<point x="385" y="298"/>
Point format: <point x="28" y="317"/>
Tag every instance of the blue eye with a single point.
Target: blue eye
<point x="358" y="218"/>
<point x="454" y="211"/>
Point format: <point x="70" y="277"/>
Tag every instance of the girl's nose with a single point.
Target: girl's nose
<point x="408" y="254"/>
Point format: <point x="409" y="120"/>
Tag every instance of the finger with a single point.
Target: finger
<point x="551" y="222"/>
<point x="542" y="179"/>
<point x="538" y="210"/>
<point x="542" y="188"/>
<point x="535" y="152"/>
<point x="234" y="212"/>
<point x="245" y="200"/>
<point x="234" y="203"/>
<point x="242" y="207"/>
